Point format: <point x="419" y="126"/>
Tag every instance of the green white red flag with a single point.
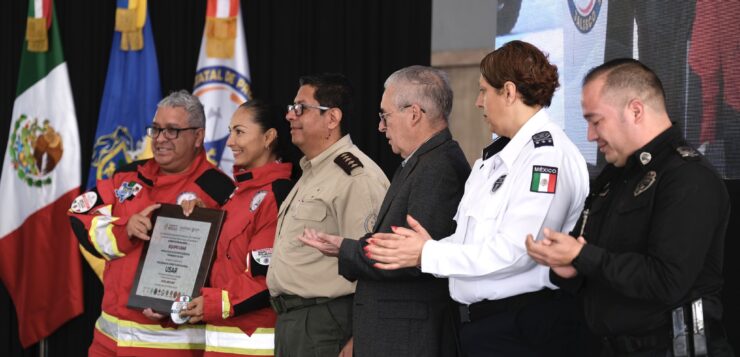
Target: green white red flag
<point x="39" y="261"/>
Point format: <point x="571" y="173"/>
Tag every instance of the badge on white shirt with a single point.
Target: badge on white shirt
<point x="499" y="182"/>
<point x="544" y="179"/>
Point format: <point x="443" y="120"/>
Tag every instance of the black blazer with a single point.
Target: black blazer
<point x="406" y="312"/>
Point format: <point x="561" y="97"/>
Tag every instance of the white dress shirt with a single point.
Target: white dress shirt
<point x="486" y="257"/>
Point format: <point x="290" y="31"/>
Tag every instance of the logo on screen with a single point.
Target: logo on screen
<point x="584" y="13"/>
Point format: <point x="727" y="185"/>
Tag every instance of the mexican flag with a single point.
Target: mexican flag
<point x="544" y="179"/>
<point x="39" y="261"/>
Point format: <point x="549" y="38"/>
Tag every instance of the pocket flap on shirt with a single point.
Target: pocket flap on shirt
<point x="311" y="211"/>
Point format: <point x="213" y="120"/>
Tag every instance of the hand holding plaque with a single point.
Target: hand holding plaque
<point x="176" y="260"/>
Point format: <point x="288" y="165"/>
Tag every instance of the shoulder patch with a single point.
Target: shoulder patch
<point x="127" y="191"/>
<point x="262" y="256"/>
<point x="544" y="179"/>
<point x="688" y="153"/>
<point x="131" y="166"/>
<point x="217" y="185"/>
<point x="370" y="221"/>
<point x="348" y="162"/>
<point x="543" y="138"/>
<point x="281" y="188"/>
<point x="257" y="200"/>
<point x="258" y="261"/>
<point x="498" y="183"/>
<point x="86" y="201"/>
<point x="647" y="181"/>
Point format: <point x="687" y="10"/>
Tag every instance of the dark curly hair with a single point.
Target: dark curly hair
<point x="527" y="67"/>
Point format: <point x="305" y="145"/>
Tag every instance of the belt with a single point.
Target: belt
<point x="630" y="344"/>
<point x="485" y="308"/>
<point x="284" y="303"/>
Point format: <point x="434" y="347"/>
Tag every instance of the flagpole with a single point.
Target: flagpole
<point x="43" y="348"/>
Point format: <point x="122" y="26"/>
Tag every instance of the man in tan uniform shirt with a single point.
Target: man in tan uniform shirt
<point x="339" y="193"/>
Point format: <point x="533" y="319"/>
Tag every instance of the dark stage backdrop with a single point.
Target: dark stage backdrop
<point x="364" y="39"/>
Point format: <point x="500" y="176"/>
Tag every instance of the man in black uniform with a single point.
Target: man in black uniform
<point x="648" y="257"/>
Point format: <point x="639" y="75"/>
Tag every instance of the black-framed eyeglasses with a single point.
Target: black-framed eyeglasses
<point x="169" y="133"/>
<point x="384" y="116"/>
<point x="297" y="109"/>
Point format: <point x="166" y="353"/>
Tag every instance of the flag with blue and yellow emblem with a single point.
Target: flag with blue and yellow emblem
<point x="131" y="93"/>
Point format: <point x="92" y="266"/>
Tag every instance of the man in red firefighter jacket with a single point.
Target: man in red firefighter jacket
<point x="112" y="221"/>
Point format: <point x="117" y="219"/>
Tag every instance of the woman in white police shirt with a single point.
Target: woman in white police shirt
<point x="537" y="179"/>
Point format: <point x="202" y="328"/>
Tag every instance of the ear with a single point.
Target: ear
<point x="510" y="92"/>
<point x="416" y="114"/>
<point x="636" y="110"/>
<point x="200" y="135"/>
<point x="335" y="117"/>
<point x="270" y="137"/>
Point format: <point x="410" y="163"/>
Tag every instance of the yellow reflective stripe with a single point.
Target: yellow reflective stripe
<point x="107" y="325"/>
<point x="101" y="234"/>
<point x="229" y="339"/>
<point x="165" y="346"/>
<point x="225" y="304"/>
<point x="106" y="210"/>
<point x="133" y="334"/>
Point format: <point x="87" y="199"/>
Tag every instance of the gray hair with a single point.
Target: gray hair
<point x="183" y="99"/>
<point x="426" y="86"/>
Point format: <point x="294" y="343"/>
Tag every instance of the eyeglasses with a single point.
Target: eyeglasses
<point x="384" y="116"/>
<point x="297" y="109"/>
<point x="169" y="133"/>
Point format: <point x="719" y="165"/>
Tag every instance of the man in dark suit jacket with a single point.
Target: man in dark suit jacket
<point x="406" y="312"/>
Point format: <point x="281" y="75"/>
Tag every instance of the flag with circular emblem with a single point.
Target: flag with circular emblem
<point x="222" y="79"/>
<point x="39" y="261"/>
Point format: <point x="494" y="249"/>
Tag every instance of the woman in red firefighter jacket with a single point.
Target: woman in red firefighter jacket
<point x="112" y="220"/>
<point x="235" y="305"/>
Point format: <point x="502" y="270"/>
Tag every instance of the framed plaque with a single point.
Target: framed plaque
<point x="176" y="260"/>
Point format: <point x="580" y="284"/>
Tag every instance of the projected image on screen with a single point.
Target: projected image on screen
<point x="689" y="45"/>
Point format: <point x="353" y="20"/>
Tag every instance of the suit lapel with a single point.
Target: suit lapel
<point x="403" y="172"/>
<point x="396" y="184"/>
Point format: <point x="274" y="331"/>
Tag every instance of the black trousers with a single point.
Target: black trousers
<point x="550" y="328"/>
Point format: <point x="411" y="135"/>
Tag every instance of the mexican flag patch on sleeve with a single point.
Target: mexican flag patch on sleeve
<point x="544" y="179"/>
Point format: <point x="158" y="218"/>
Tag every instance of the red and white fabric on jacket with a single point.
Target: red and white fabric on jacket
<point x="99" y="219"/>
<point x="236" y="307"/>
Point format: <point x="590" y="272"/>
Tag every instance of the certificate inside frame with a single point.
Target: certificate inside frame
<point x="177" y="258"/>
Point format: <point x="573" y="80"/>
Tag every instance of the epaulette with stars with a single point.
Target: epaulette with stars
<point x="348" y="162"/>
<point x="543" y="138"/>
